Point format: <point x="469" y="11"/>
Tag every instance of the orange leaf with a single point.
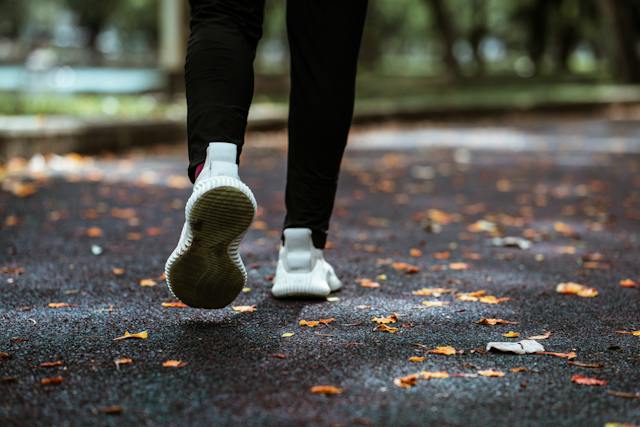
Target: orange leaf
<point x="571" y="288"/>
<point x="59" y="305"/>
<point x="581" y="379"/>
<point x="415" y="252"/>
<point x="628" y="283"/>
<point x="325" y="389"/>
<point x="445" y="350"/>
<point x="406" y="267"/>
<point x="407" y="381"/>
<point x="147" y="283"/>
<point x="459" y="266"/>
<point x="51" y="364"/>
<point x="368" y="283"/>
<point x="123" y="361"/>
<point x="174" y="364"/>
<point x="416" y="359"/>
<point x="511" y="334"/>
<point x="570" y="355"/>
<point x="491" y="373"/>
<point x="117" y="271"/>
<point x="51" y="380"/>
<point x="428" y="292"/>
<point x="139" y="335"/>
<point x="384" y="320"/>
<point x="174" y="304"/>
<point x="634" y="333"/>
<point x="385" y="328"/>
<point x="94" y="232"/>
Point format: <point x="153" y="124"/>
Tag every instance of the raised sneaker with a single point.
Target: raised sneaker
<point x="205" y="269"/>
<point x="302" y="270"/>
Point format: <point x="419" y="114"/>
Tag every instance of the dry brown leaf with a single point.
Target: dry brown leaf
<point x="581" y="379"/>
<point x="571" y="288"/>
<point x="540" y="337"/>
<point x="570" y="355"/>
<point x="147" y="283"/>
<point x="406" y="381"/>
<point x="244" y="308"/>
<point x="492" y="322"/>
<point x="127" y="335"/>
<point x="518" y="369"/>
<point x="511" y="334"/>
<point x="326" y="389"/>
<point x="111" y="410"/>
<point x="174" y="304"/>
<point x="52" y="380"/>
<point x="51" y="364"/>
<point x="490" y="373"/>
<point x="586" y="365"/>
<point x="174" y="364"/>
<point x="386" y="328"/>
<point x="446" y="350"/>
<point x="385" y="320"/>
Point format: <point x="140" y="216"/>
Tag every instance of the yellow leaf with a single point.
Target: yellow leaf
<point x="435" y="303"/>
<point x="139" y="335"/>
<point x="173" y="364"/>
<point x="287" y="334"/>
<point x="490" y="299"/>
<point x="385" y="328"/>
<point x="459" y="266"/>
<point x="385" y="320"/>
<point x="309" y="323"/>
<point x="417" y="359"/>
<point x="470" y="296"/>
<point x="147" y="282"/>
<point x="427" y="375"/>
<point x="59" y="305"/>
<point x="511" y="334"/>
<point x="491" y="373"/>
<point x="117" y="271"/>
<point x="571" y="288"/>
<point x="325" y="389"/>
<point x="244" y="308"/>
<point x="634" y="333"/>
<point x="428" y="292"/>
<point x="445" y="350"/>
<point x="518" y="369"/>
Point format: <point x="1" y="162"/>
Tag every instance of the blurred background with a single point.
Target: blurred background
<point x="122" y="60"/>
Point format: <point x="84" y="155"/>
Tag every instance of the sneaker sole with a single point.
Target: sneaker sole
<point x="206" y="270"/>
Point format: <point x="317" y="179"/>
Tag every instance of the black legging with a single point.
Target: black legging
<point x="324" y="40"/>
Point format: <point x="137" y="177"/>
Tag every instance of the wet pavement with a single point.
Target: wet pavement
<point x="82" y="253"/>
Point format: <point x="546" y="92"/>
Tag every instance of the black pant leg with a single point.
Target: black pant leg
<point x="324" y="39"/>
<point x="219" y="72"/>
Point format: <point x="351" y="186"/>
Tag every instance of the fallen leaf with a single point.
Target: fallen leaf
<point x="540" y="337"/>
<point x="117" y="271"/>
<point x="415" y="252"/>
<point x="459" y="266"/>
<point x="287" y="334"/>
<point x="244" y="308"/>
<point x="435" y="303"/>
<point x="51" y="380"/>
<point x="123" y="361"/>
<point x="511" y="334"/>
<point x="492" y="322"/>
<point x="405" y="267"/>
<point x="628" y="283"/>
<point x="385" y="320"/>
<point x="147" y="283"/>
<point x="518" y="369"/>
<point x="625" y="394"/>
<point x="470" y="296"/>
<point x="174" y="304"/>
<point x="111" y="410"/>
<point x="59" y="305"/>
<point x="490" y="373"/>
<point x="490" y="299"/>
<point x="385" y="328"/>
<point x="139" y="335"/>
<point x="428" y="292"/>
<point x="4" y="355"/>
<point x="634" y="333"/>
<point x="368" y="283"/>
<point x="94" y="232"/>
<point x="445" y="350"/>
<point x="571" y="288"/>
<point x="417" y="359"/>
<point x="427" y="375"/>
<point x="406" y="381"/>
<point x="570" y="355"/>
<point x="51" y="364"/>
<point x="174" y="364"/>
<point x="586" y="365"/>
<point x="581" y="379"/>
<point x="441" y="256"/>
<point x="309" y="323"/>
<point x="326" y="389"/>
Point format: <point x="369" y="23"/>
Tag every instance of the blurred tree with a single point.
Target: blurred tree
<point x="133" y="17"/>
<point x="12" y="18"/>
<point x="622" y="19"/>
<point x="446" y="32"/>
<point x="93" y="16"/>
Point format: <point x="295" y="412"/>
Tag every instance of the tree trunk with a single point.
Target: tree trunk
<point x="447" y="36"/>
<point x="623" y="41"/>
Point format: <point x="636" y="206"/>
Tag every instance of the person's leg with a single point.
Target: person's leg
<point x="219" y="72"/>
<point x="324" y="39"/>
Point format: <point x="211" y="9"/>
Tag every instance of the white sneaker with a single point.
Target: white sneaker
<point x="302" y="270"/>
<point x="205" y="269"/>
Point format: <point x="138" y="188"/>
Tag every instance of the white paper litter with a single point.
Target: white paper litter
<point x="511" y="242"/>
<point x="520" y="347"/>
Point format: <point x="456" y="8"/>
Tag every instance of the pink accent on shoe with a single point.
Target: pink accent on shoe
<point x="199" y="169"/>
